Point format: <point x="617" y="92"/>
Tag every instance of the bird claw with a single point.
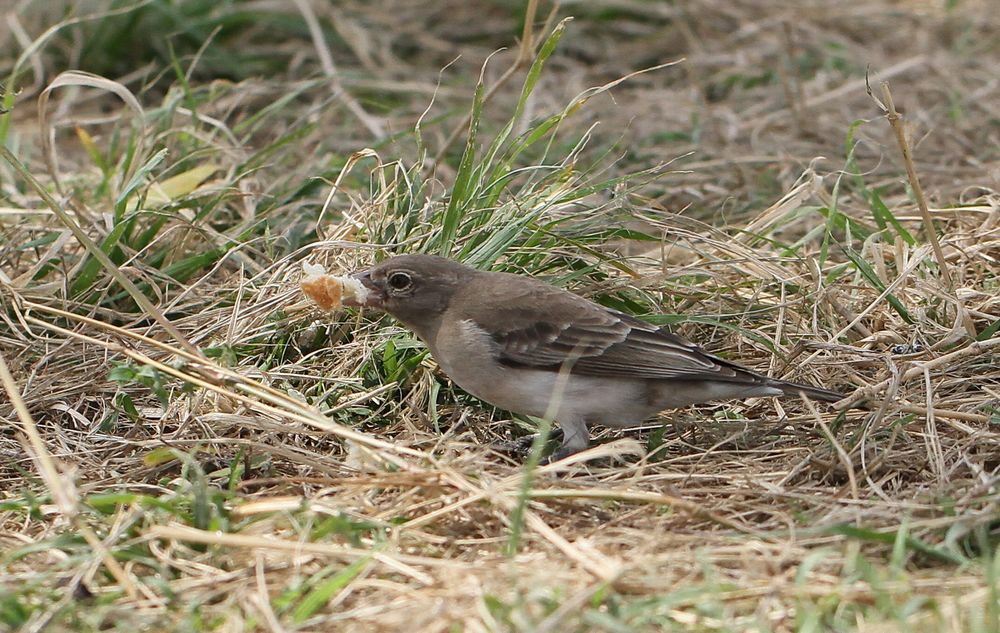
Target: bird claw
<point x="560" y="453"/>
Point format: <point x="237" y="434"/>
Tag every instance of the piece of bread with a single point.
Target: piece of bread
<point x="330" y="291"/>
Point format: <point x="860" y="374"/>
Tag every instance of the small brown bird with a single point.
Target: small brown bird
<point x="505" y="338"/>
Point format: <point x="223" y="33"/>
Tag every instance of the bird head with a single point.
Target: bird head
<point x="413" y="288"/>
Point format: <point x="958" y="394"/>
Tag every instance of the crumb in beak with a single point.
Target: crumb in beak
<point x="329" y="292"/>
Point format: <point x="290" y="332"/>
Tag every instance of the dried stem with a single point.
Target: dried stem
<point x="896" y="123"/>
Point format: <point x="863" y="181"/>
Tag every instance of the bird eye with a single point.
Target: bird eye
<point x="400" y="281"/>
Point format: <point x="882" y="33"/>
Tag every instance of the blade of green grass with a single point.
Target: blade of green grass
<point x="320" y="595"/>
<point x="890" y="538"/>
<point x="872" y="278"/>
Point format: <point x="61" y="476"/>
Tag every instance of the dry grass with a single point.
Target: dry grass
<point x="284" y="470"/>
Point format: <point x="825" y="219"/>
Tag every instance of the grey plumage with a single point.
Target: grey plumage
<point x="504" y="338"/>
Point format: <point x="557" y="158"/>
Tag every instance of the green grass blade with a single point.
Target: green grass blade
<point x="873" y="279"/>
<point x="889" y="538"/>
<point x="321" y="594"/>
<point x="460" y="193"/>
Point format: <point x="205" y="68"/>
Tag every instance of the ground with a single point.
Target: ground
<point x="190" y="445"/>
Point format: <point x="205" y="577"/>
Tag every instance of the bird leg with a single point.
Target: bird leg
<point x="575" y="438"/>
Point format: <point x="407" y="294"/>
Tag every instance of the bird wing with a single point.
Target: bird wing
<point x="545" y="327"/>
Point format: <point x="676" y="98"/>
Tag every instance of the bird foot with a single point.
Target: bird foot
<point x="521" y="447"/>
<point x="561" y="453"/>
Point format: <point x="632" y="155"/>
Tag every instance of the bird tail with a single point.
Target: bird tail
<point x="814" y="393"/>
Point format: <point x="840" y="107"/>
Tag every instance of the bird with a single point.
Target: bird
<point x="531" y="348"/>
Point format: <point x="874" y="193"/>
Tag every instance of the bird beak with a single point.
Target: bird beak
<point x="376" y="296"/>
